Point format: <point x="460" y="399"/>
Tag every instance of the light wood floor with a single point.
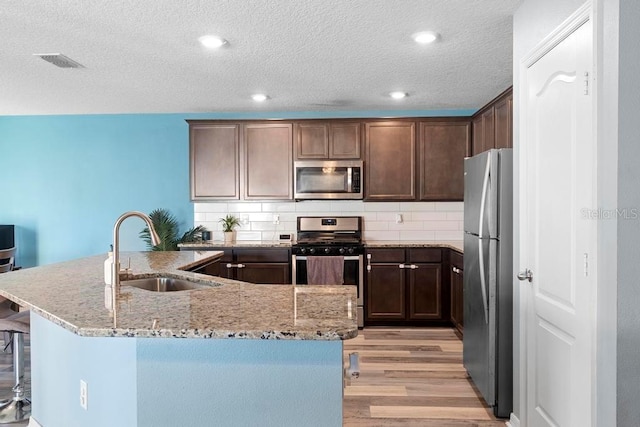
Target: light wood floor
<point x="412" y="377"/>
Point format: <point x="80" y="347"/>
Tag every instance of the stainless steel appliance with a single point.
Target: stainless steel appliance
<point x="488" y="284"/>
<point x="331" y="236"/>
<point x="328" y="179"/>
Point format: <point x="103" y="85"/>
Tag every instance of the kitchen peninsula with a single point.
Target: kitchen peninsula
<point x="249" y="354"/>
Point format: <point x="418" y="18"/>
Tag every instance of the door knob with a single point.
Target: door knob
<point x="525" y="275"/>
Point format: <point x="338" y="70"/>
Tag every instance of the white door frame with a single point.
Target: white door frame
<point x="583" y="14"/>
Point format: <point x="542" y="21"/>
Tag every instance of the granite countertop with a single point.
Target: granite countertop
<point x="236" y="244"/>
<point x="451" y="244"/>
<point x="457" y="245"/>
<point x="72" y="294"/>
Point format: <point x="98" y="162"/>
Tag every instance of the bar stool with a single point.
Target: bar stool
<point x="17" y="408"/>
<point x="14" y="325"/>
<point x="7" y="254"/>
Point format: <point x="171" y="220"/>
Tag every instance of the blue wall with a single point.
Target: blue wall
<point x="66" y="179"/>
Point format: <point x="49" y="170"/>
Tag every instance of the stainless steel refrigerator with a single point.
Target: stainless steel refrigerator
<point x="488" y="276"/>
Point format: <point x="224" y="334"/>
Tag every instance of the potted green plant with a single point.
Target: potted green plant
<point x="167" y="227"/>
<point x="229" y="222"/>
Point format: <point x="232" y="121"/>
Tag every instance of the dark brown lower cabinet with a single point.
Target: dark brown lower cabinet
<point x="404" y="285"/>
<point x="253" y="265"/>
<point x="456" y="283"/>
<point x="386" y="292"/>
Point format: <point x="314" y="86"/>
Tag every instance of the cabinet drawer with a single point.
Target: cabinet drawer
<point x="386" y="255"/>
<point x="425" y="255"/>
<point x="262" y="255"/>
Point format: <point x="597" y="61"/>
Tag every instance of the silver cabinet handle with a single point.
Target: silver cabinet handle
<point x="456" y="270"/>
<point x="236" y="266"/>
<point x="525" y="275"/>
<point x="413" y="267"/>
<point x="402" y="266"/>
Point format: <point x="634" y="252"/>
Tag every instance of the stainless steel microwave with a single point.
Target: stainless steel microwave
<point x="327" y="179"/>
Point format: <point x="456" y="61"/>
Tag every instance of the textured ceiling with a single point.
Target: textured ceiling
<point x="307" y="55"/>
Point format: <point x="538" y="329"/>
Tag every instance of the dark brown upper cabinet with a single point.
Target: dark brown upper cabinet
<point x="493" y="124"/>
<point x="390" y="160"/>
<point x="215" y="161"/>
<point x="442" y="147"/>
<point x="249" y="161"/>
<point x="268" y="161"/>
<point x="318" y="140"/>
<point x="503" y="117"/>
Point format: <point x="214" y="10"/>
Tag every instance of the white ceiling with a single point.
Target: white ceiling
<point x="142" y="56"/>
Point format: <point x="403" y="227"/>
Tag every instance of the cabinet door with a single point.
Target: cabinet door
<point x="344" y="141"/>
<point x="456" y="279"/>
<point x="456" y="296"/>
<point x="312" y="140"/>
<point x="503" y="122"/>
<point x="214" y="161"/>
<point x="264" y="273"/>
<point x="443" y="147"/>
<point x="268" y="162"/>
<point x="477" y="135"/>
<point x="488" y="130"/>
<point x="425" y="292"/>
<point x="386" y="292"/>
<point x="390" y="161"/>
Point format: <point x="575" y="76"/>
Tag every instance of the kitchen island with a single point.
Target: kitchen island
<point x="228" y="354"/>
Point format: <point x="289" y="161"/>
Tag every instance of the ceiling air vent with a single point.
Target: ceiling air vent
<point x="59" y="60"/>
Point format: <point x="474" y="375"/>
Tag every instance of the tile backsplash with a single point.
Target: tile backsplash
<point x="382" y="220"/>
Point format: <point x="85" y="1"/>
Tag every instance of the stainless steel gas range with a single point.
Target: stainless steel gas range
<point x="337" y="236"/>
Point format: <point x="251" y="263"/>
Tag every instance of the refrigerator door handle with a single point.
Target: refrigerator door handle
<point x="483" y="201"/>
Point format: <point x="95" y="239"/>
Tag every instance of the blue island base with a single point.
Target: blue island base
<point x="172" y="382"/>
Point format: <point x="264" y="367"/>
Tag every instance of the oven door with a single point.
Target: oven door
<point x="353" y="276"/>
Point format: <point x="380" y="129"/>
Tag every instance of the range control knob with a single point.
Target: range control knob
<point x="351" y="250"/>
<point x="312" y="250"/>
<point x="327" y="250"/>
<point x="303" y="250"/>
<point x="341" y="250"/>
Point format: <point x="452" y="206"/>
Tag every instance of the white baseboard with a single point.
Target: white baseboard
<point x="33" y="423"/>
<point x="513" y="421"/>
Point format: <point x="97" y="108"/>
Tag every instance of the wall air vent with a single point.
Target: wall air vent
<point x="59" y="60"/>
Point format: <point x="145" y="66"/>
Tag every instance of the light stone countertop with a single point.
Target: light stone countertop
<point x="451" y="244"/>
<point x="72" y="294"/>
<point x="457" y="245"/>
<point x="236" y="244"/>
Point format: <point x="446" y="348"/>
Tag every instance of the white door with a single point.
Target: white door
<point x="557" y="190"/>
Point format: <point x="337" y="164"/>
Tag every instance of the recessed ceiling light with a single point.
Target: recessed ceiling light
<point x="212" y="42"/>
<point x="425" y="37"/>
<point x="398" y="95"/>
<point x="259" y="97"/>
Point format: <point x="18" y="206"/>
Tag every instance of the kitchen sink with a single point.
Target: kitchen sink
<point x="163" y="284"/>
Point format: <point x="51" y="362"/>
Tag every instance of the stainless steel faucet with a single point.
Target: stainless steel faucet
<point x="115" y="268"/>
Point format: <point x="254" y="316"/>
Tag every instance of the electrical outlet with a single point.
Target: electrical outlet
<point x="276" y="219"/>
<point x="84" y="397"/>
<point x="245" y="219"/>
<point x="399" y="219"/>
